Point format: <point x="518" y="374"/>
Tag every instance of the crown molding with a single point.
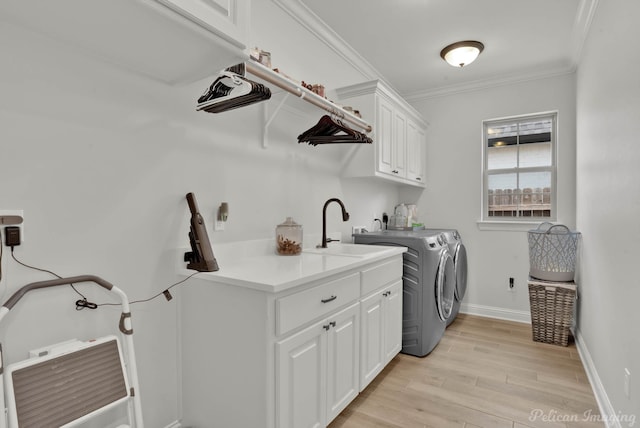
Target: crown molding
<point x="581" y="26"/>
<point x="580" y="31"/>
<point x="316" y="26"/>
<point x="486" y="84"/>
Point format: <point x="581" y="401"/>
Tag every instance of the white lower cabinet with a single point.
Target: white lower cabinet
<point x="289" y="359"/>
<point x="381" y="315"/>
<point x="318" y="370"/>
<point x="343" y="374"/>
<point x="393" y="322"/>
<point x="302" y="378"/>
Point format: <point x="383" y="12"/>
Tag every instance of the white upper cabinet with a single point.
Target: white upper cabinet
<point x="416" y="142"/>
<point x="226" y="18"/>
<point x="399" y="135"/>
<point x="173" y="41"/>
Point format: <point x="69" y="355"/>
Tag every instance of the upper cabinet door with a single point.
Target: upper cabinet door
<point x="384" y="135"/>
<point x="416" y="141"/>
<point x="400" y="145"/>
<point x="227" y="18"/>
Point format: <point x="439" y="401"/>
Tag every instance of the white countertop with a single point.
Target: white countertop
<point x="246" y="264"/>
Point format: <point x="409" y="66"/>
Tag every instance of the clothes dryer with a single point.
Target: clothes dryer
<point x="459" y="254"/>
<point x="428" y="285"/>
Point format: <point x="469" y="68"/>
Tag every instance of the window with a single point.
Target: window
<point x="519" y="169"/>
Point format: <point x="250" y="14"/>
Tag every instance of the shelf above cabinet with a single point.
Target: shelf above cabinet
<point x="165" y="40"/>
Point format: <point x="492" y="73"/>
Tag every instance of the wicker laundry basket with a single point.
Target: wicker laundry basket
<point x="552" y="308"/>
<point x="552" y="252"/>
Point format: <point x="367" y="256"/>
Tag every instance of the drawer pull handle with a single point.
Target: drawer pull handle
<point x="386" y="293"/>
<point x="332" y="323"/>
<point x="330" y="299"/>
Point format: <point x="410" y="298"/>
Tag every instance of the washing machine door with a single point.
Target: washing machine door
<point x="445" y="285"/>
<point x="460" y="263"/>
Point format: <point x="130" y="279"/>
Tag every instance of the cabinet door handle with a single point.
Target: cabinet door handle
<point x="326" y="327"/>
<point x="386" y="293"/>
<point x="330" y="299"/>
<point x="332" y="323"/>
<point x="395" y="171"/>
<point x="418" y="178"/>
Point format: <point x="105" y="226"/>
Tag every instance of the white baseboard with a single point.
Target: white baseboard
<point x="606" y="408"/>
<point x="608" y="413"/>
<point x="495" y="312"/>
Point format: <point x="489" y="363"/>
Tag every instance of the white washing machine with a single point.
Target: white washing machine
<point x="428" y="285"/>
<point x="459" y="254"/>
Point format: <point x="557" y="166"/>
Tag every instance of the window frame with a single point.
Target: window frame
<point x="499" y="222"/>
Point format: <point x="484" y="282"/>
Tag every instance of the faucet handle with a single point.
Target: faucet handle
<point x="328" y="240"/>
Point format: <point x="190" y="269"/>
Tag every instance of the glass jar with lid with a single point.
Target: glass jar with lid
<point x="289" y="238"/>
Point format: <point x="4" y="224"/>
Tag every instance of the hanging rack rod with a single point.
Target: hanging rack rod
<point x="282" y="82"/>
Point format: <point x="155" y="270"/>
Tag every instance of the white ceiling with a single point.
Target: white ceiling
<point x="402" y="39"/>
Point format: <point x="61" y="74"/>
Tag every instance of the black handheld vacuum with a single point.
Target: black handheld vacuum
<point x="200" y="257"/>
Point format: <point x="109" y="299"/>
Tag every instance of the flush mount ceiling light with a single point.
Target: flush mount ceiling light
<point x="460" y="54"/>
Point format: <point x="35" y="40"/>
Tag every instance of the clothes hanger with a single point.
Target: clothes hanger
<point x="232" y="90"/>
<point x="331" y="130"/>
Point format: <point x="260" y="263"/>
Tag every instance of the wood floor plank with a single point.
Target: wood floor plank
<point x="484" y="373"/>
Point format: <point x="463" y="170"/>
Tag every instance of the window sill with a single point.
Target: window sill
<point x="509" y="226"/>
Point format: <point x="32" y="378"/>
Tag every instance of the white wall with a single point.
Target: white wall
<point x="100" y="161"/>
<point x="608" y="202"/>
<point x="454" y="182"/>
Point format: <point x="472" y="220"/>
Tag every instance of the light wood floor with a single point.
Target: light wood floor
<point x="483" y="373"/>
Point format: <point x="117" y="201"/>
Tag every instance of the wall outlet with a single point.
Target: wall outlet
<point x="8" y="217"/>
<point x="357" y="229"/>
<point x="627" y="382"/>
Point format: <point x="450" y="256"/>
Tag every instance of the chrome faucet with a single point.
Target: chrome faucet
<point x="345" y="217"/>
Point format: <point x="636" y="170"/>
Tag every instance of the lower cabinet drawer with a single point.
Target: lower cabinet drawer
<point x="297" y="309"/>
<point x="381" y="275"/>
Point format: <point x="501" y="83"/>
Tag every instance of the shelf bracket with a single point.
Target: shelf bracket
<point x="268" y="120"/>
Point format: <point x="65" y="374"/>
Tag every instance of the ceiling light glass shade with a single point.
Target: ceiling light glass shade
<point x="460" y="54"/>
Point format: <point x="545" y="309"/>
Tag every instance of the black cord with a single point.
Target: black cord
<point x="47" y="271"/>
<point x="84" y="303"/>
<point x="166" y="293"/>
